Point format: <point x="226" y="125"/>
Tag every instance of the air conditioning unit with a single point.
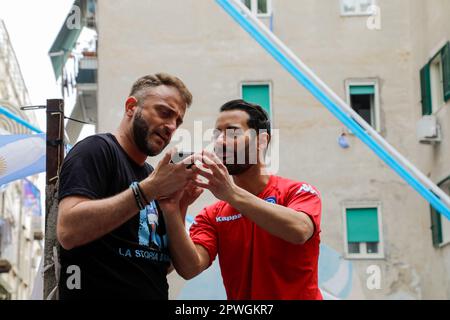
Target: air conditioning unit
<point x="428" y="130"/>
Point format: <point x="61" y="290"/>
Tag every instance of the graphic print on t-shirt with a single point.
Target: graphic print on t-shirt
<point x="148" y="225"/>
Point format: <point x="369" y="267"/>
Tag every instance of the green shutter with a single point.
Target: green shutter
<point x="446" y="70"/>
<point x="436" y="227"/>
<point x="66" y="40"/>
<point x="362" y="225"/>
<point x="360" y="90"/>
<point x="425" y="85"/>
<point x="436" y="224"/>
<point x="257" y="94"/>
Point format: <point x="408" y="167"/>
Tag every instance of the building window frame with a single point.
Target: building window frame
<point x="376" y="112"/>
<point x="358" y="12"/>
<point x="437" y="230"/>
<point x="254" y="8"/>
<point x="363" y="255"/>
<point x="435" y="81"/>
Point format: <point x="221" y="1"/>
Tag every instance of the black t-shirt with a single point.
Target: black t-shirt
<point x="129" y="262"/>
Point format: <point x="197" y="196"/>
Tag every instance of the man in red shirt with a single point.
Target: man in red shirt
<point x="265" y="228"/>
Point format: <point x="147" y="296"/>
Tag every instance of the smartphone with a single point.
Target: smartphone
<point x="180" y="156"/>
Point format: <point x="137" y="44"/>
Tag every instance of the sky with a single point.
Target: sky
<point x="33" y="26"/>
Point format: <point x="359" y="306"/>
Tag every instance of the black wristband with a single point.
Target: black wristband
<point x="146" y="202"/>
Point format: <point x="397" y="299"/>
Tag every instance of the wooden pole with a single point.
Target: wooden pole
<point x="55" y="157"/>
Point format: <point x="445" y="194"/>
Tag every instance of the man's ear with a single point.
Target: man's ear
<point x="263" y="141"/>
<point x="130" y="105"/>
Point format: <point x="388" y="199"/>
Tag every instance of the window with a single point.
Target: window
<point x="363" y="239"/>
<point x="425" y="85"/>
<point x="258" y="93"/>
<point x="435" y="81"/>
<point x="363" y="97"/>
<point x="440" y="225"/>
<point x="357" y="7"/>
<point x="261" y="8"/>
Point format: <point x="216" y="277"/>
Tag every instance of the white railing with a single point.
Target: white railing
<point x="337" y="106"/>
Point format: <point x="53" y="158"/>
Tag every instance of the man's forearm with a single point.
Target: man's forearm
<point x="89" y="220"/>
<point x="280" y="221"/>
<point x="185" y="257"/>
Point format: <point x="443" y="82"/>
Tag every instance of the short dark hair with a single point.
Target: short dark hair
<point x="258" y="118"/>
<point x="160" y="79"/>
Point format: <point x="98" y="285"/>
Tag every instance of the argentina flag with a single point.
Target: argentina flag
<point x="21" y="156"/>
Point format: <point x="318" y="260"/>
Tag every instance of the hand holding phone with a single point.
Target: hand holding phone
<point x="179" y="156"/>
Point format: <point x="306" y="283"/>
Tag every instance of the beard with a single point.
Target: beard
<point x="141" y="135"/>
<point x="237" y="168"/>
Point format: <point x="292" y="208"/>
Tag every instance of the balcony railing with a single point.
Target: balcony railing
<point x="87" y="69"/>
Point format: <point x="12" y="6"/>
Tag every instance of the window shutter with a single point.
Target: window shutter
<point x="446" y="70"/>
<point x="257" y="94"/>
<point x="425" y="85"/>
<point x="436" y="227"/>
<point x="362" y="225"/>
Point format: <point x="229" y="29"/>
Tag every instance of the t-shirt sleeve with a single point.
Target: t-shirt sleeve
<point x="85" y="170"/>
<point x="306" y="198"/>
<point x="203" y="232"/>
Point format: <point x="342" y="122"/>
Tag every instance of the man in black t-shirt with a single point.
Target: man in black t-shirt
<point x="113" y="237"/>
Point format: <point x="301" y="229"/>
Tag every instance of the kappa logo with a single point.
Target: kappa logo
<point x="229" y="218"/>
<point x="307" y="188"/>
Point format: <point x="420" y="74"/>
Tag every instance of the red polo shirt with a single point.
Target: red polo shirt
<point x="255" y="264"/>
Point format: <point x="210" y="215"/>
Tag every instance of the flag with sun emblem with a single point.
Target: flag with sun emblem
<point x="21" y="156"/>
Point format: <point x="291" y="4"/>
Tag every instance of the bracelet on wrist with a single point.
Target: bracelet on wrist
<point x="135" y="188"/>
<point x="146" y="202"/>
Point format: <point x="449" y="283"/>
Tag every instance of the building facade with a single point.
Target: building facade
<point x="21" y="227"/>
<point x="388" y="59"/>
